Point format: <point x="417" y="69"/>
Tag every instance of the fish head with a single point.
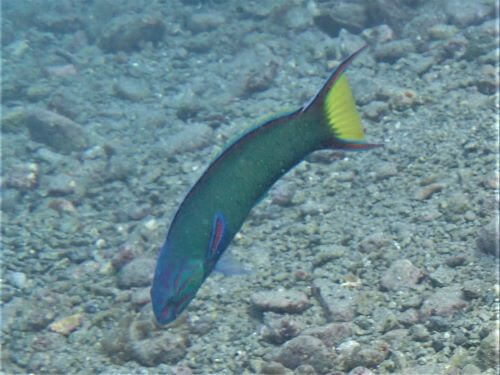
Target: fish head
<point x="175" y="284"/>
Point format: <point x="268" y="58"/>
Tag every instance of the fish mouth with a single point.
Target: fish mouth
<point x="173" y="309"/>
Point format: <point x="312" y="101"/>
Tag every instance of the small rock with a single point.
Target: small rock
<point x="374" y="242"/>
<point x="207" y="21"/>
<point x="378" y="34"/>
<point x="166" y="348"/>
<point x="305" y="350"/>
<point x="442" y="31"/>
<point x="346" y="354"/>
<point x="338" y="303"/>
<point x="373" y="355"/>
<point x="131" y="32"/>
<point x="67" y="325"/>
<point x="402" y="274"/>
<point x="140" y="297"/>
<point x="360" y="370"/>
<point x="348" y="16"/>
<point x="139" y="272"/>
<point x="58" y="132"/>
<point x="455" y="261"/>
<point x="445" y="301"/>
<point x="488" y="354"/>
<point x="274" y="368"/>
<point x="419" y="332"/>
<point x="441" y="277"/>
<point x="488" y="239"/>
<point x="392" y="51"/>
<point x="464" y="13"/>
<point x="331" y="334"/>
<point x="22" y="177"/>
<point x="62" y="206"/>
<point x="131" y="89"/>
<point x="281" y="301"/>
<point x="375" y="109"/>
<point x="427" y="191"/>
<point x="438" y="323"/>
<point x="61" y="184"/>
<point x="408" y="317"/>
<point x="278" y="328"/>
<point x="17" y="279"/>
<point x="283" y="195"/>
<point x="386" y="170"/>
<point x="472" y="289"/>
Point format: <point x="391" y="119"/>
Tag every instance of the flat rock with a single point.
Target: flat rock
<point x="402" y="274"/>
<point x="305" y="350"/>
<point x="280" y="301"/>
<point x="58" y="132"/>
<point x="338" y="302"/>
<point x="444" y="302"/>
<point x="139" y="272"/>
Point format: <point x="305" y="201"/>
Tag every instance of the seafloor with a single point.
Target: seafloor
<point x="382" y="262"/>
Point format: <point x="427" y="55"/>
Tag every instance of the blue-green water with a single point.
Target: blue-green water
<point x="377" y="262"/>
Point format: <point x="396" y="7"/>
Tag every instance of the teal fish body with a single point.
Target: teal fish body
<point x="215" y="208"/>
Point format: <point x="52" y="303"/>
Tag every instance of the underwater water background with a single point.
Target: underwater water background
<point x="377" y="262"/>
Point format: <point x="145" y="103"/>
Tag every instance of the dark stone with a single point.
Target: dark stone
<point x="130" y="32"/>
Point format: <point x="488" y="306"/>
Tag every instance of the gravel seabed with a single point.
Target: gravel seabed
<point x="378" y="262"/>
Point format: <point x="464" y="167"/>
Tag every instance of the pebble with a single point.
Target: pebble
<point x="130" y="32"/>
<point x="305" y="350"/>
<point x="375" y="109"/>
<point x="393" y="50"/>
<point x="17" y="279"/>
<point x="472" y="289"/>
<point x="283" y="195"/>
<point x="456" y="261"/>
<point x="62" y="206"/>
<point x="488" y="353"/>
<point x="372" y="355"/>
<point x="488" y="238"/>
<point x="131" y="89"/>
<point x="402" y="274"/>
<point x="165" y="348"/>
<point x="67" y="325"/>
<point x="206" y="21"/>
<point x="427" y="191"/>
<point x="374" y="242"/>
<point x="444" y="302"/>
<point x="360" y="370"/>
<point x="280" y="301"/>
<point x="345" y="15"/>
<point x="278" y="328"/>
<point x="441" y="276"/>
<point x="139" y="272"/>
<point x="419" y="332"/>
<point x="61" y="184"/>
<point x="331" y="334"/>
<point x="22" y="177"/>
<point x="408" y="317"/>
<point x="140" y="297"/>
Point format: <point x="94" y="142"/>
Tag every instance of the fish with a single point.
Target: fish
<point x="215" y="208"/>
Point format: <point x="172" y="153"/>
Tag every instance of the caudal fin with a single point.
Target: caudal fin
<point x="336" y="103"/>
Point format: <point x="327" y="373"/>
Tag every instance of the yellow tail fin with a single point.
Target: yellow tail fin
<point x="341" y="114"/>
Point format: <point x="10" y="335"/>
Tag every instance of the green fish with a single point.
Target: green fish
<point x="218" y="203"/>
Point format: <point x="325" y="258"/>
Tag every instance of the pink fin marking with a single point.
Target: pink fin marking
<point x="217" y="233"/>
